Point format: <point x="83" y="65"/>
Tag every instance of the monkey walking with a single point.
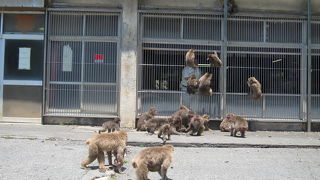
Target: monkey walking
<point x="154" y="159"/>
<point x="153" y="124"/>
<point x="165" y="131"/>
<point x="145" y="117"/>
<point x="225" y="125"/>
<point x="111" y="125"/>
<point x="114" y="142"/>
<point x="255" y="88"/>
<point x="214" y="60"/>
<point x="238" y="124"/>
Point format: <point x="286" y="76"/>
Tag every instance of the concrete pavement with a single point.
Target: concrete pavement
<point x="212" y="138"/>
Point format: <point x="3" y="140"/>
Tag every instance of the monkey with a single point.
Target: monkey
<point x="238" y="123"/>
<point x="153" y="159"/>
<point x="192" y="84"/>
<point x="225" y="125"/>
<point x="214" y="59"/>
<point x="206" y="121"/>
<point x="111" y="125"/>
<point x="145" y="117"/>
<point x="107" y="142"/>
<point x="232" y="7"/>
<point x="190" y="58"/>
<point x="183" y="115"/>
<point x="165" y="131"/>
<point x="204" y="84"/>
<point x="119" y="157"/>
<point x="154" y="123"/>
<point x="196" y="125"/>
<point x="255" y="87"/>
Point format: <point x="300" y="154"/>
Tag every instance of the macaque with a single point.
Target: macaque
<point x="196" y="125"/>
<point x="238" y="124"/>
<point x="154" y="123"/>
<point x="111" y="125"/>
<point x="165" y="131"/>
<point x="190" y="58"/>
<point x="204" y="84"/>
<point x="114" y="142"/>
<point x="153" y="159"/>
<point x="206" y="122"/>
<point x="225" y="125"/>
<point x="145" y="117"/>
<point x="192" y="84"/>
<point x="183" y="115"/>
<point x="214" y="59"/>
<point x="255" y="87"/>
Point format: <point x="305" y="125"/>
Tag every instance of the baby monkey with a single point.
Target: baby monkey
<point x="238" y="124"/>
<point x="111" y="125"/>
<point x="165" y="131"/>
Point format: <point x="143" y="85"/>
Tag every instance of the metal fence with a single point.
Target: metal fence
<point x="82" y="63"/>
<point x="272" y="49"/>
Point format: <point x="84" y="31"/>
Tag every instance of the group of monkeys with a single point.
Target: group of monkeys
<point x="154" y="159"/>
<point x="202" y="86"/>
<point x="157" y="158"/>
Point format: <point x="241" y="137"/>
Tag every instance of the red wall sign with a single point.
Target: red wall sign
<point x="99" y="58"/>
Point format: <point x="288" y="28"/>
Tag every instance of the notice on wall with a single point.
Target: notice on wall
<point x="67" y="58"/>
<point x="24" y="58"/>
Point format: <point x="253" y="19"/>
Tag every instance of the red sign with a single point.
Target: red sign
<point x="99" y="58"/>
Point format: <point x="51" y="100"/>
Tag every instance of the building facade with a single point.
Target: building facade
<point x="79" y="62"/>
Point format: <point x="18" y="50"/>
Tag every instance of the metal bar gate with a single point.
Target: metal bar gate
<point x="82" y="64"/>
<point x="272" y="49"/>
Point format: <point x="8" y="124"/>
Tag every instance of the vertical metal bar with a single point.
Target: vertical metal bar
<point x="309" y="69"/>
<point x="224" y="56"/>
<point x="181" y="30"/>
<point x="264" y="31"/>
<point x="1" y="65"/>
<point x="263" y="106"/>
<point x="44" y="82"/>
<point x="119" y="63"/>
<point x="304" y="73"/>
<point x="82" y="64"/>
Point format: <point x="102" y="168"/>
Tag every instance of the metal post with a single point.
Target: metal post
<point x="224" y="57"/>
<point x="309" y="68"/>
<point x="44" y="81"/>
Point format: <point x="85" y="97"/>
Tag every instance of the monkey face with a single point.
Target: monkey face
<point x="230" y="115"/>
<point x="117" y="120"/>
<point x="153" y="111"/>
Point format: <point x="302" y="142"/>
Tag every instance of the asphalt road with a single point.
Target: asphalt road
<point x="32" y="158"/>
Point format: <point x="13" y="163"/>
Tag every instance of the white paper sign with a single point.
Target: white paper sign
<point x="24" y="58"/>
<point x="67" y="58"/>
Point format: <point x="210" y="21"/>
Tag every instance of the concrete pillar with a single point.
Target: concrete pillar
<point x="128" y="77"/>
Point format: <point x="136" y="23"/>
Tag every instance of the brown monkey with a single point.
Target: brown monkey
<point x="111" y="125"/>
<point x="190" y="58"/>
<point x="107" y="142"/>
<point x="255" y="87"/>
<point x="183" y="115"/>
<point x="154" y="123"/>
<point x="154" y="159"/>
<point x="204" y="84"/>
<point x="238" y="123"/>
<point x="225" y="125"/>
<point x="192" y="84"/>
<point x="214" y="59"/>
<point x="206" y="118"/>
<point x="119" y="158"/>
<point x="165" y="131"/>
<point x="145" y="117"/>
<point x="196" y="125"/>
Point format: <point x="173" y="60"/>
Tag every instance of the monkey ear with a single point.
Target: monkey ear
<point x="215" y="53"/>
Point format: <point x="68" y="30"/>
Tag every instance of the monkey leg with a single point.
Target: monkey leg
<point x="200" y="131"/>
<point x="169" y="138"/>
<point x="243" y="133"/>
<point x="164" y="167"/>
<point x="93" y="154"/>
<point x="235" y="133"/>
<point x="109" y="153"/>
<point x="142" y="172"/>
<point x="231" y="132"/>
<point x="101" y="160"/>
<point x="102" y="130"/>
